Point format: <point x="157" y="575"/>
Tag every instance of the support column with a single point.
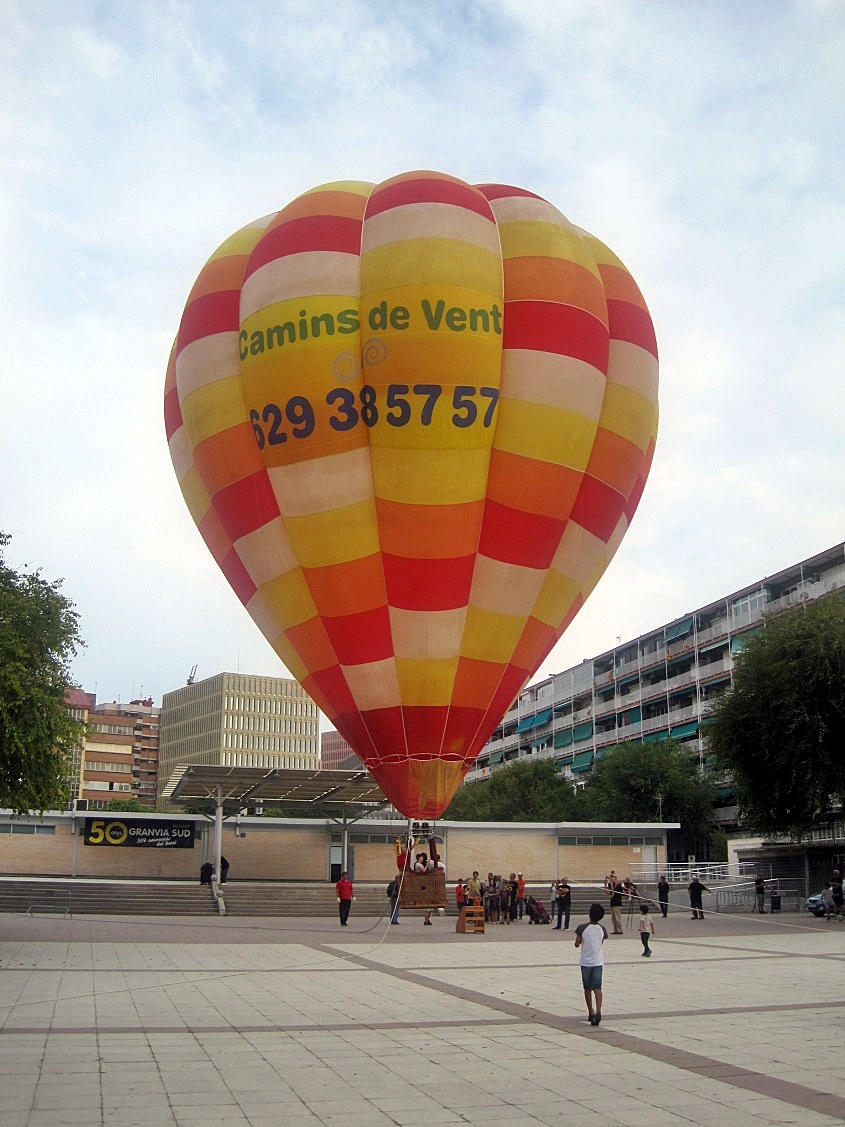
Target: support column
<point x="218" y="832"/>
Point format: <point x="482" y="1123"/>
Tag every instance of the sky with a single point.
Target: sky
<point x="703" y="142"/>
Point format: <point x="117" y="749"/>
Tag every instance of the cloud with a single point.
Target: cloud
<point x="701" y="142"/>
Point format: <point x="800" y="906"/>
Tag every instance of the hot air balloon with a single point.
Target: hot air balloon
<point x="412" y="422"/>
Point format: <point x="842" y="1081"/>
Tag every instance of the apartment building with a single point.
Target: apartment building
<point x="659" y="685"/>
<point x="336" y="752"/>
<point x="118" y="757"/>
<point x="239" y="720"/>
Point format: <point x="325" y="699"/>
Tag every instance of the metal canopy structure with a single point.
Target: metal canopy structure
<point x="340" y="796"/>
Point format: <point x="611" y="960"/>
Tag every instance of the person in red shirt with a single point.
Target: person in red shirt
<point x="460" y="895"/>
<point x="345" y="896"/>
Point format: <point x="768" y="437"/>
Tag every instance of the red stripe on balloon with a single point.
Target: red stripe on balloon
<point x="213" y="313"/>
<point x="172" y="413"/>
<point x="424" y="726"/>
<point x="461" y="724"/>
<point x="238" y="577"/>
<point x="427" y="190"/>
<point x="353" y="729"/>
<point x="517" y="537"/>
<point x="313" y="232"/>
<point x="246" y="505"/>
<point x="415" y="584"/>
<point x="330" y="690"/>
<point x="504" y="191"/>
<point x="630" y="323"/>
<point x="384" y="729"/>
<point x="598" y="508"/>
<point x="359" y="639"/>
<point x="547" y="326"/>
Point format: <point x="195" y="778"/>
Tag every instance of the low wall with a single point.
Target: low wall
<point x="304" y="849"/>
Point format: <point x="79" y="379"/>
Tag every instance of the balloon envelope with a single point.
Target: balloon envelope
<point x="412" y="422"/>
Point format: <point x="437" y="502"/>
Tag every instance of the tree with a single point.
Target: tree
<point x="651" y="782"/>
<point x="128" y="806"/>
<point x="521" y="792"/>
<point x="779" y="731"/>
<point x="39" y="635"/>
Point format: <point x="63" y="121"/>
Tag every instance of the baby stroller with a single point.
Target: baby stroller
<point x="537" y="913"/>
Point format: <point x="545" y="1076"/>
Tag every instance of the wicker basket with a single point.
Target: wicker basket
<point x="423" y="890"/>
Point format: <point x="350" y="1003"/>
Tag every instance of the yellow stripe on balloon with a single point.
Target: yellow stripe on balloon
<point x="289" y="599"/>
<point x="630" y="415"/>
<point x="546" y="433"/>
<point x="437" y="477"/>
<point x="491" y="637"/>
<point x="426" y="682"/>
<point x="337" y="536"/>
<point x="213" y="408"/>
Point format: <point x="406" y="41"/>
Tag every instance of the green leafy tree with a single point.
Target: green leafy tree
<point x="521" y="792"/>
<point x="651" y="782"/>
<point x="128" y="806"/>
<point x="39" y="635"/>
<point x="779" y="731"/>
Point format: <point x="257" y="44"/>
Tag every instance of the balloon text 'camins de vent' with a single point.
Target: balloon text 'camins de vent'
<point x="412" y="422"/>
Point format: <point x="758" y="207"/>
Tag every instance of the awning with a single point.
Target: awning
<point x="525" y="723"/>
<point x="653" y="737"/>
<point x="495" y="757"/>
<point x="627" y="680"/>
<point x="672" y="633"/>
<point x="583" y="761"/>
<point x="564" y="738"/>
<point x="740" y="641"/>
<point x="682" y="730"/>
<point x="583" y="731"/>
<point x="542" y="718"/>
<point x="713" y="646"/>
<point x="633" y="715"/>
<point x="564" y="760"/>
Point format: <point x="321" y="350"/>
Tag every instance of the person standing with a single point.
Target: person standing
<point x="345" y="896"/>
<point x="836" y="892"/>
<point x="760" y="893"/>
<point x="504" y="900"/>
<point x="224" y="870"/>
<point x="616" y="889"/>
<point x="473" y="889"/>
<point x="393" y="893"/>
<point x="663" y="890"/>
<point x="514" y="887"/>
<point x="564" y="904"/>
<point x="646" y="929"/>
<point x="695" y="889"/>
<point x="520" y="895"/>
<point x="590" y="937"/>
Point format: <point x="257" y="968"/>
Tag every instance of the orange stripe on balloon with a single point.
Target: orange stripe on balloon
<point x="517" y="482"/>
<point x="226" y="457"/>
<point x="554" y="279"/>
<point x="615" y="461"/>
<point x="220" y="275"/>
<point x="428" y="531"/>
<point x="345" y="588"/>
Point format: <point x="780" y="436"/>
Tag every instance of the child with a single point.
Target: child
<point x="590" y="937"/>
<point x="646" y="929"/>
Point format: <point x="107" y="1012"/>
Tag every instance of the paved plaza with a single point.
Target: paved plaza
<point x="251" y="1022"/>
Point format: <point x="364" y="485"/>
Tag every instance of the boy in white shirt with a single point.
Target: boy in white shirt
<point x="646" y="929"/>
<point x="590" y="937"/>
